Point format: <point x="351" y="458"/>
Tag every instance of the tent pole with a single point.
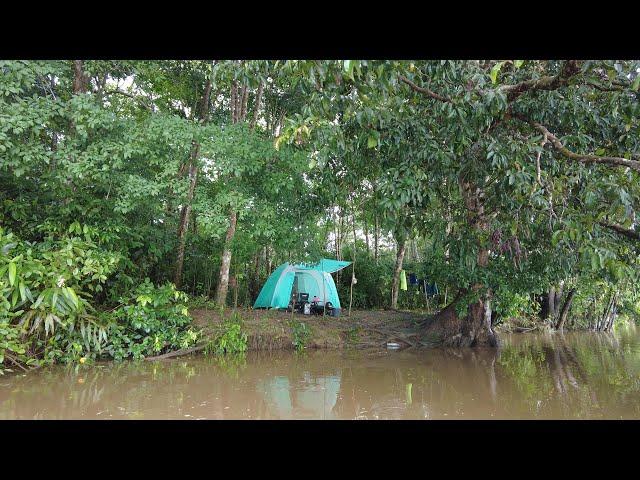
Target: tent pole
<point x="353" y="267"/>
<point x="324" y="289"/>
<point x="353" y="276"/>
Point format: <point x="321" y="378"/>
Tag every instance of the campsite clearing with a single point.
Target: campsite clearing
<point x="271" y="329"/>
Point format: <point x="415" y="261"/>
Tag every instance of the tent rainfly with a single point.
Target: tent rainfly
<point x="314" y="279"/>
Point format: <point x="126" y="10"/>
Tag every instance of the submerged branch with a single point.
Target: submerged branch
<point x="177" y="353"/>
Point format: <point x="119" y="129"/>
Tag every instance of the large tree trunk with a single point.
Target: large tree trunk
<point x="548" y="308"/>
<point x="475" y="328"/>
<point x="223" y="280"/>
<point x="256" y="108"/>
<point x="472" y="330"/>
<point x="245" y="99"/>
<point x="233" y="102"/>
<point x="608" y="317"/>
<point x="395" y="284"/>
<point x="557" y="301"/>
<point x="551" y="303"/>
<point x="80" y="79"/>
<point x="612" y="315"/>
<point x="564" y="313"/>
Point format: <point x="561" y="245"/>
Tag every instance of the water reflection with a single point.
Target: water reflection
<point x="578" y="375"/>
<point x="314" y="398"/>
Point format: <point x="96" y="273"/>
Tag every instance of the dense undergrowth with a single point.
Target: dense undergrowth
<point x="49" y="312"/>
<point x="231" y="339"/>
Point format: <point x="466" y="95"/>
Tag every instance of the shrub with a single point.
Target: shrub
<point x="12" y="348"/>
<point x="301" y="334"/>
<point x="45" y="310"/>
<point x="202" y="301"/>
<point x="232" y="339"/>
<point x="151" y="321"/>
<point x="509" y="305"/>
<point x="45" y="287"/>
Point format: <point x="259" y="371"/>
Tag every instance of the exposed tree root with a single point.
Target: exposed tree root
<point x="474" y="330"/>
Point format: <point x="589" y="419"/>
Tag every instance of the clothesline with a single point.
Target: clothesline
<point x="430" y="288"/>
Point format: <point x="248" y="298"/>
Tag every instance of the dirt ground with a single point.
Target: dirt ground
<point x="271" y="329"/>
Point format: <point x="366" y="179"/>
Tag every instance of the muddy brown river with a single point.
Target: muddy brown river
<point x="552" y="376"/>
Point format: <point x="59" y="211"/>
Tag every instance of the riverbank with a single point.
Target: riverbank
<point x="274" y="330"/>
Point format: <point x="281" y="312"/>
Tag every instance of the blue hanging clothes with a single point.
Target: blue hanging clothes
<point x="430" y="289"/>
<point x="413" y="279"/>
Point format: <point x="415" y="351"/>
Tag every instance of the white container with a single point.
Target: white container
<point x="307" y="309"/>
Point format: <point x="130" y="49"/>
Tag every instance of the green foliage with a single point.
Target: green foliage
<point x="149" y="322"/>
<point x="12" y="347"/>
<point x="509" y="304"/>
<point x="547" y="208"/>
<point x="46" y="283"/>
<point x="46" y="288"/>
<point x="301" y="333"/>
<point x="202" y="301"/>
<point x="93" y="185"/>
<point x="373" y="287"/>
<point x="232" y="339"/>
<point x="45" y="304"/>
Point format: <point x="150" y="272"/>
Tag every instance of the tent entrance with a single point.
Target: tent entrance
<point x="311" y="282"/>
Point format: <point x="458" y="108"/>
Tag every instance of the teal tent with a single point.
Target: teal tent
<point x="314" y="279"/>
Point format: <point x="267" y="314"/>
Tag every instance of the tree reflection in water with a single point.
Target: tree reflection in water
<point x="575" y="375"/>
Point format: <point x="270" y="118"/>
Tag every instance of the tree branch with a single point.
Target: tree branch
<point x="423" y="90"/>
<point x="604" y="88"/>
<point x="133" y="97"/>
<point x="549" y="82"/>
<point x="627" y="232"/>
<point x="612" y="161"/>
